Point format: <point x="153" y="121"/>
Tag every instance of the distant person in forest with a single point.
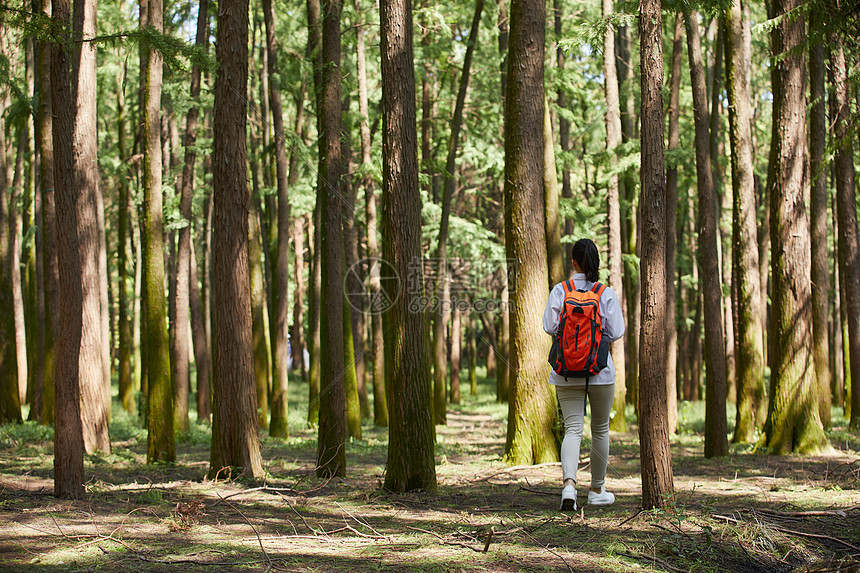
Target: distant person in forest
<point x="598" y="388"/>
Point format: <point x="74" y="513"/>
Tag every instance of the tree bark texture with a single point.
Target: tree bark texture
<point x="161" y="445"/>
<point x="793" y="424"/>
<point x="552" y="215"/>
<point x="68" y="430"/>
<point x="655" y="458"/>
<point x="751" y="393"/>
<point x="377" y="344"/>
<point x="532" y="405"/>
<point x="259" y="319"/>
<point x="235" y="438"/>
<point x="818" y="220"/>
<point x="94" y="406"/>
<point x="411" y="464"/>
<point x="124" y="266"/>
<point x="618" y="422"/>
<point x="331" y="455"/>
<point x="849" y="252"/>
<point x="716" y="443"/>
<point x="671" y="226"/>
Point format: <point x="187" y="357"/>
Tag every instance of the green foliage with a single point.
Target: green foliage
<point x="23" y="435"/>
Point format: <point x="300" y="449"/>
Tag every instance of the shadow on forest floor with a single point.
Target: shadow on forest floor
<point x="745" y="512"/>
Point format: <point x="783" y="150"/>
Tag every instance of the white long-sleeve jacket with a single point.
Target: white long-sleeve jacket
<point x="613" y="327"/>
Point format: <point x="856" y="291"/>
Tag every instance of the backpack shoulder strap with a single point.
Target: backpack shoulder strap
<point x="598" y="289"/>
<point x="568" y="287"/>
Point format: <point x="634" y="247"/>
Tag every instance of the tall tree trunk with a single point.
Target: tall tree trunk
<point x="380" y="409"/>
<point x="473" y="355"/>
<point x="353" y="406"/>
<point x="440" y="322"/>
<point x="194" y="303"/>
<point x="716" y="443"/>
<point x="818" y="220"/>
<point x="124" y="365"/>
<point x="532" y="408"/>
<point x="10" y="401"/>
<point x="15" y="230"/>
<point x="331" y="457"/>
<point x="751" y="391"/>
<point x="315" y="47"/>
<point x="68" y="430"/>
<point x="407" y="375"/>
<point x="259" y="319"/>
<point x="49" y="222"/>
<point x="185" y="253"/>
<point x="456" y="337"/>
<point x="618" y="422"/>
<point x="280" y="426"/>
<point x="503" y="376"/>
<point x="563" y="122"/>
<point x="552" y="217"/>
<point x="793" y="424"/>
<point x="671" y="226"/>
<point x="160" y="443"/>
<point x="849" y="252"/>
<point x="94" y="407"/>
<point x="655" y="458"/>
<point x="235" y="437"/>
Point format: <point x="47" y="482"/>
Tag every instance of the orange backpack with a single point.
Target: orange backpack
<point x="579" y="348"/>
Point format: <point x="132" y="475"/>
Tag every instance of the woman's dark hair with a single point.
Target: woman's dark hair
<point x="584" y="252"/>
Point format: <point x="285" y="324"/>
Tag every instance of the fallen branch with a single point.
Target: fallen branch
<point x="632" y="517"/>
<point x="522" y="487"/>
<point x="489" y="539"/>
<point x="280" y="490"/>
<point x="793" y="532"/>
<point x="425" y="531"/>
<point x="516" y="468"/>
<point x="651" y="558"/>
<point x="257" y="533"/>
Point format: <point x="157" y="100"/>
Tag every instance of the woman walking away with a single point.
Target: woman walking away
<point x="583" y="316"/>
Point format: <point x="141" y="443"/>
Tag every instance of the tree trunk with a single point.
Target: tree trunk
<point x="849" y="252"/>
<point x="259" y="319"/>
<point x="716" y="443"/>
<point x="793" y="424"/>
<point x="235" y="438"/>
<point x="279" y="423"/>
<point x="552" y="217"/>
<point x="655" y="458"/>
<point x="315" y="47"/>
<point x="532" y="408"/>
<point x="353" y="406"/>
<point x="68" y="430"/>
<point x="94" y="407"/>
<point x="15" y="230"/>
<point x="671" y="226"/>
<point x="563" y="122"/>
<point x="473" y="355"/>
<point x="10" y="402"/>
<point x="751" y="390"/>
<point x="331" y="457"/>
<point x="441" y="315"/>
<point x="380" y="409"/>
<point x="618" y="422"/>
<point x="503" y="376"/>
<point x="49" y="222"/>
<point x="407" y="377"/>
<point x="160" y="443"/>
<point x="124" y="365"/>
<point x="456" y="337"/>
<point x="818" y="220"/>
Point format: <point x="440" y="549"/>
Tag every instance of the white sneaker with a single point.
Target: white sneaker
<point x="602" y="498"/>
<point x="568" y="499"/>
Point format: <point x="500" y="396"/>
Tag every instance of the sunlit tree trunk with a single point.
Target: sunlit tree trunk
<point x="671" y="226"/>
<point x="716" y="443"/>
<point x="655" y="458"/>
<point x="160" y="444"/>
<point x="793" y="424"/>
<point x="552" y="216"/>
<point x="331" y="457"/>
<point x="618" y="422"/>
<point x="68" y="431"/>
<point x="235" y="437"/>
<point x="411" y="463"/>
<point x="380" y="409"/>
<point x="124" y="268"/>
<point x="456" y="337"/>
<point x="751" y="394"/>
<point x="94" y="406"/>
<point x="849" y="252"/>
<point x="532" y="406"/>
<point x="563" y="122"/>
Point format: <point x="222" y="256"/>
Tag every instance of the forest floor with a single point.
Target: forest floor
<point x="749" y="512"/>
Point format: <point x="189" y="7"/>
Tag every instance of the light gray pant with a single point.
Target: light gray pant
<point x="571" y="399"/>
